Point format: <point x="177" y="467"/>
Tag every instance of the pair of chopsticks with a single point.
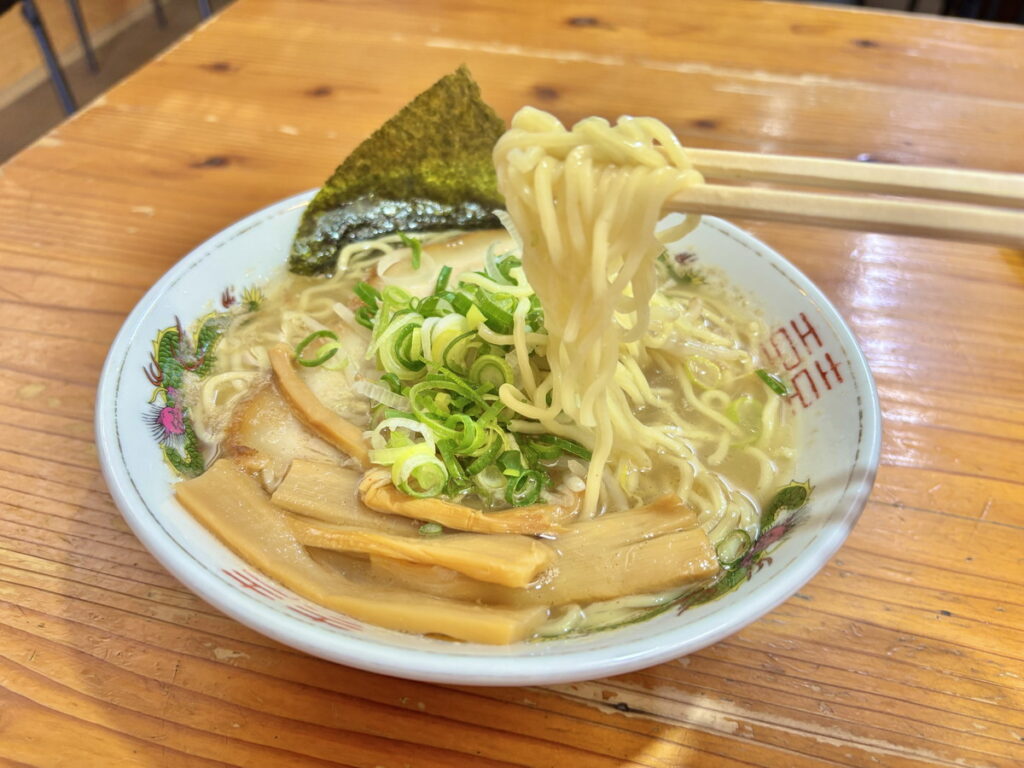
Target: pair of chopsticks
<point x="977" y="207"/>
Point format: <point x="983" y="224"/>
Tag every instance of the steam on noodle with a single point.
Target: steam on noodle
<point x="563" y="396"/>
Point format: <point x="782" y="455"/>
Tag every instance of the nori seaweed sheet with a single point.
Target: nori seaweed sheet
<point x="427" y="168"/>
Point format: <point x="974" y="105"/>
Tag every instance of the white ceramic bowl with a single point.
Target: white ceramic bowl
<point x="839" y="448"/>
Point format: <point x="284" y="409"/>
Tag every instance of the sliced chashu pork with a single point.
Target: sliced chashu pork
<point x="326" y="423"/>
<point x="264" y="436"/>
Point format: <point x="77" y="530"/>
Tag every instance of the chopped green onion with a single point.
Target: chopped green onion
<point x="505" y="263"/>
<point x="543" y="443"/>
<point x="369" y="295"/>
<point x="392" y="382"/>
<point x="499" y="266"/>
<point x="457" y="480"/>
<point x="417" y="248"/>
<point x="399" y="452"/>
<point x="499" y="319"/>
<point x="492" y="370"/>
<point x="490" y="482"/>
<point x="474" y="316"/>
<point x="431" y="529"/>
<point x="442" y="382"/>
<point x="380" y="395"/>
<point x="364" y="316"/>
<point x="733" y="548"/>
<point x="491" y="268"/>
<point x="462" y="303"/>
<point x="442" y="279"/>
<point x="404" y="348"/>
<point x="774" y="382"/>
<point x="326" y="352"/>
<point x="435" y="306"/>
<point x="469" y="437"/>
<point x="535" y="317"/>
<point x="703" y="372"/>
<point x="543" y="450"/>
<point x="420" y="475"/>
<point x="450" y="348"/>
<point x="511" y="463"/>
<point x="436" y="424"/>
<point x="440" y="424"/>
<point x="488" y="457"/>
<point x="443" y="401"/>
<point x="398" y="298"/>
<point x="438" y="332"/>
<point x="746" y="412"/>
<point x="392" y="425"/>
<point x="524" y="489"/>
<point x="529" y="455"/>
<point x="396" y="347"/>
<point x="491" y="414"/>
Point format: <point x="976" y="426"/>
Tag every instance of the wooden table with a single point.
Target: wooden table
<point x="905" y="651"/>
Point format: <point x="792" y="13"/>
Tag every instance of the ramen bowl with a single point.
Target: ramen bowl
<point x="837" y="450"/>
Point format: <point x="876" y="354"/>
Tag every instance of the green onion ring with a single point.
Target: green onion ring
<point x="774" y="382"/>
<point x="499" y="319"/>
<point x="524" y="489"/>
<point x="403" y="348"/>
<point x="491" y="370"/>
<point x="323" y="357"/>
<point x="368" y="294"/>
<point x="490" y="454"/>
<point x="451" y="348"/>
<point x="468" y="436"/>
<point x="431" y="529"/>
<point x="563" y="444"/>
<point x="426" y="471"/>
<point x="417" y="248"/>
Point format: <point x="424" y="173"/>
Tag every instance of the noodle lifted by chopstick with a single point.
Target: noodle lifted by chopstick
<point x="586" y="203"/>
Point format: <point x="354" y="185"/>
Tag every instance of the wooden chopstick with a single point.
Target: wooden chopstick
<point x="984" y="187"/>
<point x="970" y="218"/>
<point x="945" y="221"/>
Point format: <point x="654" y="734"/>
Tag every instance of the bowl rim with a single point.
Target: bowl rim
<point x="432" y="666"/>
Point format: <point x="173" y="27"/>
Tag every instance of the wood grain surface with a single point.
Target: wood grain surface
<point x="906" y="650"/>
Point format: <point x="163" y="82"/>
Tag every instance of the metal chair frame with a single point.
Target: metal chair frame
<point x="57" y="78"/>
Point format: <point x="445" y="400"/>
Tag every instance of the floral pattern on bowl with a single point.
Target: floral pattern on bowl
<point x="178" y="355"/>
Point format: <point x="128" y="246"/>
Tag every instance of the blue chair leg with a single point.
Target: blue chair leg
<point x="60" y="84"/>
<point x="83" y="35"/>
<point x="204" y="9"/>
<point x="158" y="11"/>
